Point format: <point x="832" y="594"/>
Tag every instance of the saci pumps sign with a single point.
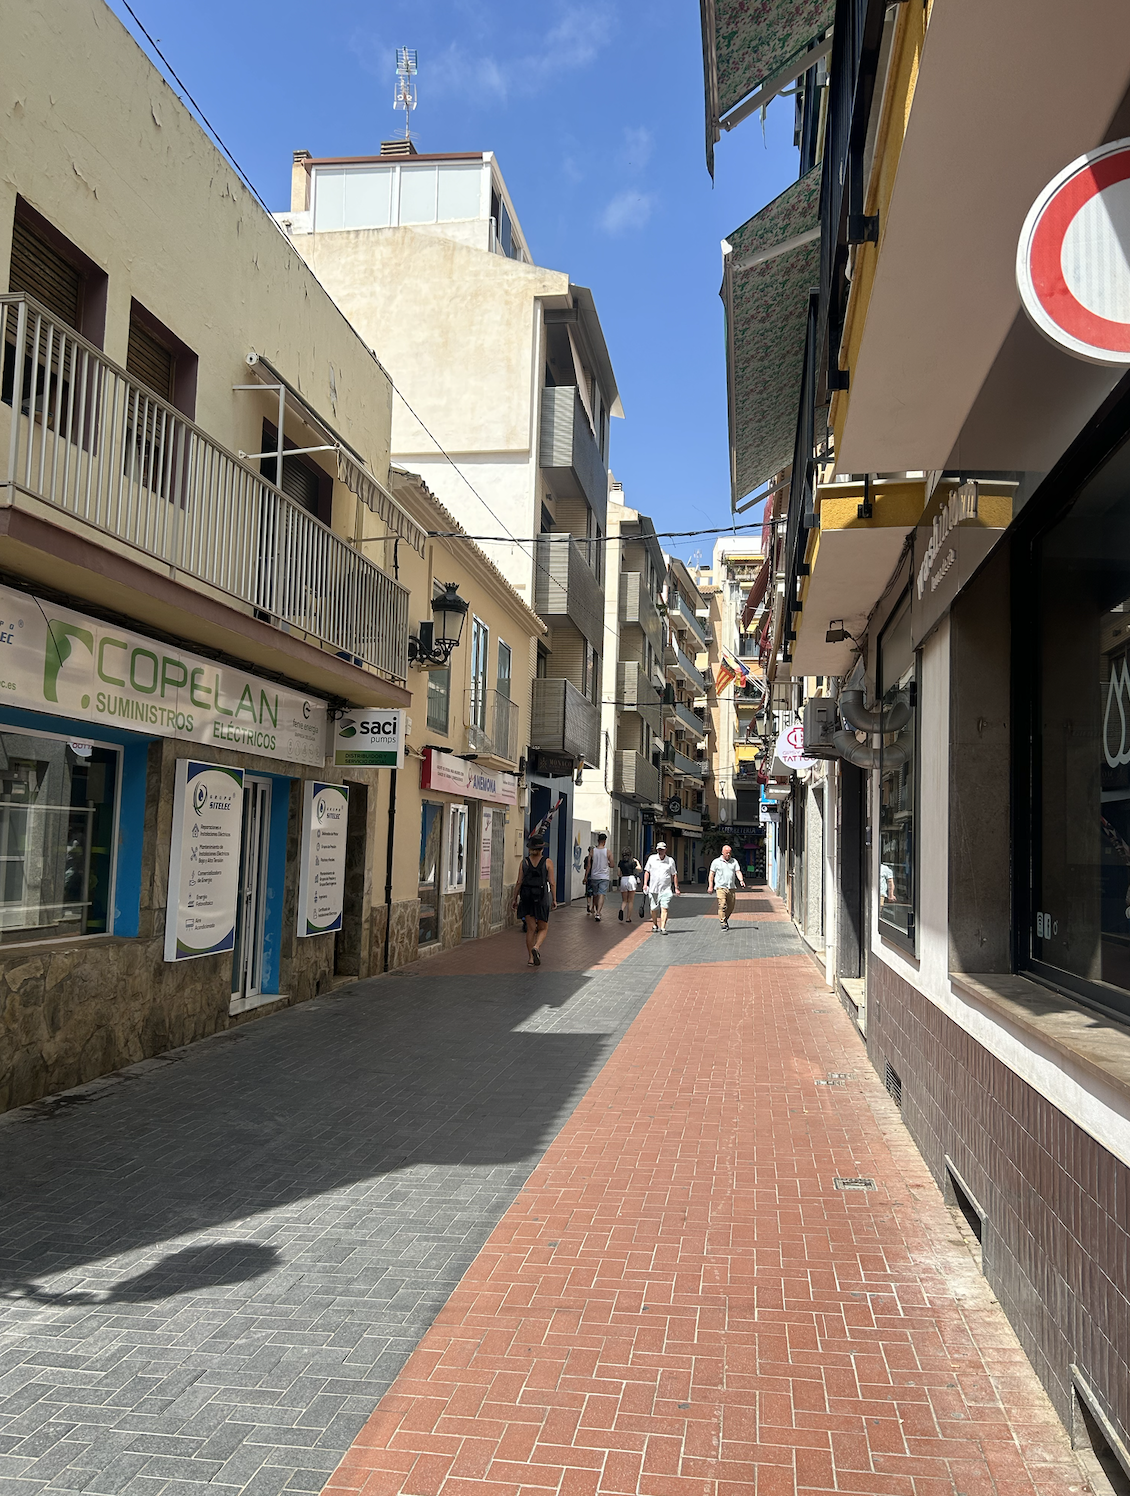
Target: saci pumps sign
<point x="69" y="665"/>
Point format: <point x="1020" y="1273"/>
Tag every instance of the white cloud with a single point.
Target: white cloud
<point x="638" y="146"/>
<point x="628" y="210"/>
<point x="456" y="71"/>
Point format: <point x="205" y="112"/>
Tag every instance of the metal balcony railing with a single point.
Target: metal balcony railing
<point x="564" y="720"/>
<point x="86" y="438"/>
<point x="565" y="586"/>
<point x="684" y="765"/>
<point x="635" y="692"/>
<point x="686" y="667"/>
<point x="491" y="720"/>
<point x="688" y="718"/>
<point x="568" y="453"/>
<point x="635" y="776"/>
<point x="681" y="613"/>
<point x="638" y="607"/>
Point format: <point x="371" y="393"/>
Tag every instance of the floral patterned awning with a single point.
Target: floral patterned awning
<point x="747" y="42"/>
<point x="766" y="302"/>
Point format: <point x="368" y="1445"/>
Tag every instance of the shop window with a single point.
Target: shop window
<point x="898" y="877"/>
<point x="57" y="834"/>
<point x="1080" y="914"/>
<point x="439" y="699"/>
<point x="455" y="861"/>
<point x="431" y="841"/>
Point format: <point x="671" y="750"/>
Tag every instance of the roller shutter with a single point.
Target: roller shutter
<point x="40" y="271"/>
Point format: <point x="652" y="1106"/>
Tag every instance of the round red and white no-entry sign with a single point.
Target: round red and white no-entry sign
<point x="1073" y="259"/>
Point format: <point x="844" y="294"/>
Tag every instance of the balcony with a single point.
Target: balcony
<point x="685" y="667"/>
<point x="687" y="718"/>
<point x="682" y="616"/>
<point x="635" y="693"/>
<point x="90" y="442"/>
<point x="491" y="720"/>
<point x="564" y="720"/>
<point x="635" y="776"/>
<point x="566" y="587"/>
<point x="568" y="453"/>
<point x="690" y="819"/>
<point x="681" y="764"/>
<point x="638" y="607"/>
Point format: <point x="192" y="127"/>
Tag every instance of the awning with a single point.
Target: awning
<point x="771" y="265"/>
<point x="751" y="49"/>
<point x="351" y="469"/>
<point x="360" y="481"/>
<point x="756" y="593"/>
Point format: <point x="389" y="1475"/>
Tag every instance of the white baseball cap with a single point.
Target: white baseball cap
<point x="661" y="846"/>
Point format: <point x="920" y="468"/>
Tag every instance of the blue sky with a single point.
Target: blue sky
<point x="595" y="112"/>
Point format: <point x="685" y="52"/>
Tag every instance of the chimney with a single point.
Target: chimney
<point x="398" y="148"/>
<point x="300" y="183"/>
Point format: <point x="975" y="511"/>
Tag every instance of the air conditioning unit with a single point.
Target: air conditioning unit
<point x="821" y="723"/>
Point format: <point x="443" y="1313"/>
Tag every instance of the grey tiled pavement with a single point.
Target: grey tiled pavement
<point x="213" y="1265"/>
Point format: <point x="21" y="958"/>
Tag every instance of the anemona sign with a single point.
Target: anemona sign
<point x="1073" y="259"/>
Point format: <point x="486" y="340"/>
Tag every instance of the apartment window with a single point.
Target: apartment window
<point x="439" y="699"/>
<point x="58" y="822"/>
<point x="504" y="670"/>
<point x="47" y="266"/>
<point x="480" y="649"/>
<point x="898" y="850"/>
<point x="157" y="358"/>
<point x="302" y="480"/>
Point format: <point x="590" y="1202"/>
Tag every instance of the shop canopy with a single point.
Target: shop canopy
<point x="751" y="50"/>
<point x="771" y="266"/>
<point x="756" y="592"/>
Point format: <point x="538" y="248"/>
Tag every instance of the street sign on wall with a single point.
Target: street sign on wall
<point x="369" y="739"/>
<point x="204" y="860"/>
<point x="1073" y="258"/>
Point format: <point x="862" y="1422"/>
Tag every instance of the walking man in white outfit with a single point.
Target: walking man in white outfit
<point x="661" y="884"/>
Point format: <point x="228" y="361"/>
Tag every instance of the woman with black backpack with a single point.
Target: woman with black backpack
<point x="535" y="895"/>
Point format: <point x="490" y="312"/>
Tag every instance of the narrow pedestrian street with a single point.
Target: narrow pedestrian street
<point x="643" y="1221"/>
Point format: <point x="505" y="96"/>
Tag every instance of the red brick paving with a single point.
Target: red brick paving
<point x="680" y="1304"/>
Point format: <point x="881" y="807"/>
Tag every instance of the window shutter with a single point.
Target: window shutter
<point x="150" y="362"/>
<point x="40" y="271"/>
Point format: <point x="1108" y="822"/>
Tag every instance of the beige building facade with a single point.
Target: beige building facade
<point x="203" y="570"/>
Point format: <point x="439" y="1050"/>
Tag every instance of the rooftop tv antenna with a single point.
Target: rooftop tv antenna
<point x="405" y="95"/>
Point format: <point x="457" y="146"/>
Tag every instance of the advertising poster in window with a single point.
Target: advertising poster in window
<point x="485" y="847"/>
<point x="204" y="861"/>
<point x="321" y="878"/>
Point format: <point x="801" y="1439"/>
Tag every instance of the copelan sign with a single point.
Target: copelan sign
<point x="1073" y="258"/>
<point x="68" y="665"/>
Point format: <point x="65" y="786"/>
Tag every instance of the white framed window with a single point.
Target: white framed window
<point x="455" y="850"/>
<point x="58" y="836"/>
<point x="480" y="653"/>
<point x="357" y="197"/>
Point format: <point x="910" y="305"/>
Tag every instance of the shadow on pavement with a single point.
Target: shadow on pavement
<point x="391" y="1073"/>
<point x="210" y="1265"/>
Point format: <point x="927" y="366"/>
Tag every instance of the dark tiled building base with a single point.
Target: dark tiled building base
<point x="1056" y="1243"/>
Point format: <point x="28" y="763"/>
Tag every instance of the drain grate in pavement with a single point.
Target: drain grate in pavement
<point x="831" y="1081"/>
<point x="863" y="1182"/>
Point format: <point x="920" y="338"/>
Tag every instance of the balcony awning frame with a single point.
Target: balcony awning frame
<point x="351" y="469"/>
<point x="750" y="54"/>
<point x="770" y="266"/>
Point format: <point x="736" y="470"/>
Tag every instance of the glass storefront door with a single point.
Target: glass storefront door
<point x="250" y="924"/>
